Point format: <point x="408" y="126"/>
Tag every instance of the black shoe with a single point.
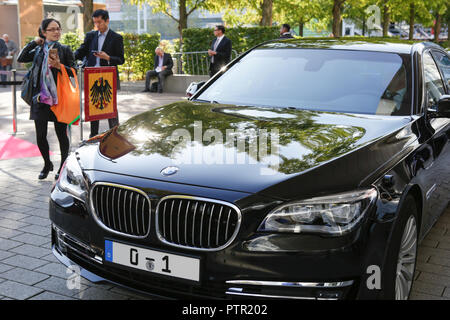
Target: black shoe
<point x="146" y="90"/>
<point x="45" y="171"/>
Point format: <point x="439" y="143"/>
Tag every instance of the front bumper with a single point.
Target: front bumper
<point x="71" y="251"/>
<point x="254" y="265"/>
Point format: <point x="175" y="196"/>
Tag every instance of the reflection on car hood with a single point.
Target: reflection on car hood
<point x="232" y="147"/>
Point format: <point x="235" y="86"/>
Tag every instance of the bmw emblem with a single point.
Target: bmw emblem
<point x="169" y="171"/>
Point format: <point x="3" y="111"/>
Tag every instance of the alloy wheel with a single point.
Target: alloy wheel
<point x="406" y="260"/>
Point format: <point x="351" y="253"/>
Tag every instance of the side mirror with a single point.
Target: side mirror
<point x="443" y="107"/>
<point x="193" y="88"/>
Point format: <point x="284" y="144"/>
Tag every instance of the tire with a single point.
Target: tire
<point x="401" y="258"/>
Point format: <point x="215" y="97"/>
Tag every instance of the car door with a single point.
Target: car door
<point x="438" y="184"/>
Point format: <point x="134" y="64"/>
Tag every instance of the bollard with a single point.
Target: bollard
<point x="14" y="101"/>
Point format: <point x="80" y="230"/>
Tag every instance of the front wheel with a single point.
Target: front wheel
<point x="402" y="253"/>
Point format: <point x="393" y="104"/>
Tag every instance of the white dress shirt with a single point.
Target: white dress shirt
<point x="101" y="41"/>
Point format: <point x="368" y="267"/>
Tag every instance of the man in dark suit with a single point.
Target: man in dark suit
<point x="220" y="51"/>
<point x="3" y="54"/>
<point x="162" y="68"/>
<point x="100" y="48"/>
<point x="285" y="32"/>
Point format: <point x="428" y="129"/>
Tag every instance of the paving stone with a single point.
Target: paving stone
<point x="37" y="230"/>
<point x="54" y="269"/>
<point x="434" y="279"/>
<point x="6" y="244"/>
<point x="99" y="294"/>
<point x="36" y="221"/>
<point x="427" y="288"/>
<point x="423" y="296"/>
<point x="5" y="267"/>
<point x="25" y="262"/>
<point x="440" y="261"/>
<point x="43" y="213"/>
<point x="24" y="276"/>
<point x="60" y="286"/>
<point x="12" y="224"/>
<point x="6" y="214"/>
<point x="9" y="233"/>
<point x="50" y="257"/>
<point x="20" y="208"/>
<point x="31" y="251"/>
<point x="447" y="292"/>
<point x="31" y="239"/>
<point x="50" y="296"/>
<point x="433" y="268"/>
<point x="17" y="290"/>
<point x="5" y="254"/>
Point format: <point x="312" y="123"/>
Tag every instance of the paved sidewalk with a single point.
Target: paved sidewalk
<point x="28" y="269"/>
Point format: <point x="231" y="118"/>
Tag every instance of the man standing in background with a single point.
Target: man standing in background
<point x="13" y="49"/>
<point x="3" y="54"/>
<point x="102" y="47"/>
<point x="285" y="32"/>
<point x="220" y="51"/>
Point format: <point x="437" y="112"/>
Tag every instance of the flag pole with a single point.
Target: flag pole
<point x="81" y="86"/>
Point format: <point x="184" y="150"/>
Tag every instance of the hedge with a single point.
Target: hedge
<point x="139" y="54"/>
<point x="242" y="39"/>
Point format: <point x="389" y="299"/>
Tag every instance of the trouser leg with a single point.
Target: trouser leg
<point x="94" y="128"/>
<point x="61" y="133"/>
<point x="161" y="79"/>
<point x="148" y="77"/>
<point x="41" y="139"/>
<point x="113" y="122"/>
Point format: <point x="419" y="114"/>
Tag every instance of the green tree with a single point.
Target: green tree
<point x="299" y="12"/>
<point x="88" y="6"/>
<point x="185" y="9"/>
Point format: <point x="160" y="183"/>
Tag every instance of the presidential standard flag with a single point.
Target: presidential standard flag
<point x="100" y="93"/>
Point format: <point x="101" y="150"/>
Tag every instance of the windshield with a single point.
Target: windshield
<point x="312" y="79"/>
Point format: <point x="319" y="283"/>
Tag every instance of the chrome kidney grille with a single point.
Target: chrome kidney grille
<point x="197" y="223"/>
<point x="121" y="209"/>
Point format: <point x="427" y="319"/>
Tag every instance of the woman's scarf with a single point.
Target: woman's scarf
<point x="48" y="93"/>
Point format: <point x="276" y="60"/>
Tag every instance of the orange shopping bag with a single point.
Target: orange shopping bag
<point x="68" y="108"/>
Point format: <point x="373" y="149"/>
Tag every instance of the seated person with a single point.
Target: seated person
<point x="163" y="68"/>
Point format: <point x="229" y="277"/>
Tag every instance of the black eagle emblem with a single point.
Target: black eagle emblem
<point x="101" y="93"/>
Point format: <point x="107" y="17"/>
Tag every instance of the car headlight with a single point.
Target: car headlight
<point x="71" y="179"/>
<point x="333" y="215"/>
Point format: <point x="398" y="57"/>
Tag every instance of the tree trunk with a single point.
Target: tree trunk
<point x="182" y="23"/>
<point x="412" y="13"/>
<point x="300" y="28"/>
<point x="88" y="6"/>
<point x="386" y="19"/>
<point x="337" y="17"/>
<point x="437" y="27"/>
<point x="266" y="16"/>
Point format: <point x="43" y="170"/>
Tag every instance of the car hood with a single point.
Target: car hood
<point x="232" y="147"/>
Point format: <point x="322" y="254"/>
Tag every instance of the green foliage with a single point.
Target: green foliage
<point x="71" y="39"/>
<point x="139" y="54"/>
<point x="242" y="39"/>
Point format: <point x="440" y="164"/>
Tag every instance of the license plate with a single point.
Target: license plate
<point x="167" y="264"/>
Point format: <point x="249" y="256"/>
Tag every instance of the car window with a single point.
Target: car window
<point x="443" y="62"/>
<point x="317" y="79"/>
<point x="433" y="82"/>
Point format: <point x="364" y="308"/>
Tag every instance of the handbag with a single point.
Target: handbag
<point x="6" y="61"/>
<point x="27" y="87"/>
<point x="68" y="108"/>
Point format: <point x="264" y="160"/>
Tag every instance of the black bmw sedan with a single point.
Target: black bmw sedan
<point x="304" y="169"/>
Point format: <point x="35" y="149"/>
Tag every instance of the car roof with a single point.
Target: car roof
<point x="350" y="43"/>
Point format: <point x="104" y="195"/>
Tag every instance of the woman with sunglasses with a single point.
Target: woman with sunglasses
<point x="47" y="64"/>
